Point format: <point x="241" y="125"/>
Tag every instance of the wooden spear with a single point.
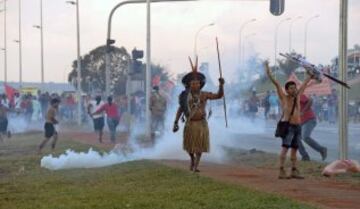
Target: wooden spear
<point x="220" y="71"/>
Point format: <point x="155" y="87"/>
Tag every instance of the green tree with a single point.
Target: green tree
<point x="93" y="70"/>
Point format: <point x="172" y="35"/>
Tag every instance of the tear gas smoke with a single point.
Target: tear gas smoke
<point x="20" y="124"/>
<point x="168" y="146"/>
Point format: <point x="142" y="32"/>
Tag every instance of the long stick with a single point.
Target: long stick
<point x="220" y="71"/>
<point x="337" y="80"/>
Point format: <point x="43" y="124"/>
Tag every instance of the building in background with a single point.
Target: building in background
<point x="353" y="63"/>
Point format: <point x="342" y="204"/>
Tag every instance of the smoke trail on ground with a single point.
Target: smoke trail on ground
<point x="90" y="159"/>
<point x="168" y="146"/>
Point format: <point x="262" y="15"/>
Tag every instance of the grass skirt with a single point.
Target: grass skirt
<point x="196" y="136"/>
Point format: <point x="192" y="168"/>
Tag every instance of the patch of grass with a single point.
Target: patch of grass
<point x="141" y="184"/>
<point x="310" y="169"/>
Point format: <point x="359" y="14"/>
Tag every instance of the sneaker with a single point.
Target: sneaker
<point x="323" y="153"/>
<point x="295" y="174"/>
<point x="282" y="174"/>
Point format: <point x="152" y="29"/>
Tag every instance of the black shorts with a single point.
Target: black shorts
<point x="99" y="123"/>
<point x="49" y="130"/>
<point x="3" y="125"/>
<point x="293" y="137"/>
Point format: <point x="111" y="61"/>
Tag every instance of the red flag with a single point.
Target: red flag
<point x="10" y="93"/>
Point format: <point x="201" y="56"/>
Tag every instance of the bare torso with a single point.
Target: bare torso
<point x="287" y="103"/>
<point x="197" y="104"/>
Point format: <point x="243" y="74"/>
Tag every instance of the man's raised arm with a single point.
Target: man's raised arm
<point x="273" y="80"/>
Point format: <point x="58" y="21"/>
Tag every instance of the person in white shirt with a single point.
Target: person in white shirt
<point x="98" y="118"/>
<point x="17" y="102"/>
<point x="36" y="115"/>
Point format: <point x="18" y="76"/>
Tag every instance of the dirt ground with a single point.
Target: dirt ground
<point x="322" y="192"/>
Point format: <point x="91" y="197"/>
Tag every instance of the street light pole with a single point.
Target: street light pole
<point x="78" y="61"/>
<point x="276" y="37"/>
<point x="42" y="42"/>
<point x="148" y="69"/>
<point x="197" y="35"/>
<point x="78" y="90"/>
<point x="40" y="27"/>
<point x="240" y="31"/>
<point x="109" y="41"/>
<point x="5" y="49"/>
<point x="290" y="32"/>
<point x="305" y="33"/>
<point x="343" y="99"/>
<point x="20" y="46"/>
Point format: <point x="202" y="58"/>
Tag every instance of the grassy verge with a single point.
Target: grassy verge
<point x="311" y="169"/>
<point x="141" y="184"/>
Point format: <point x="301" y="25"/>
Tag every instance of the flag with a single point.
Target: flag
<point x="10" y="93"/>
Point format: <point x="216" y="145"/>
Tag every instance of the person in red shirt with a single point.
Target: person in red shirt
<point x="113" y="116"/>
<point x="308" y="123"/>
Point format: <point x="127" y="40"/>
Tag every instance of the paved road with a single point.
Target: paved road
<point x="260" y="135"/>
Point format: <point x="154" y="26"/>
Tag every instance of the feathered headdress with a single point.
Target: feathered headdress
<point x="194" y="75"/>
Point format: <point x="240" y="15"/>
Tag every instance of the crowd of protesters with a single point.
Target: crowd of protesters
<point x="129" y="110"/>
<point x="325" y="107"/>
<point x="34" y="107"/>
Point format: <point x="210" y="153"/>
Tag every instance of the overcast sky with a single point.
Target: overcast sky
<point x="174" y="26"/>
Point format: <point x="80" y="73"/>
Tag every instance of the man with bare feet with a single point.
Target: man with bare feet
<point x="193" y="106"/>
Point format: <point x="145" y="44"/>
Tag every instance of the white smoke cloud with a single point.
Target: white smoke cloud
<point x="18" y="123"/>
<point x="169" y="146"/>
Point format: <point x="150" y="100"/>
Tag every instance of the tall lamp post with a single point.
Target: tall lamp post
<point x="78" y="90"/>
<point x="20" y="46"/>
<point x="40" y="27"/>
<point x="306" y="31"/>
<point x="343" y="97"/>
<point x="197" y="35"/>
<point x="290" y="31"/>
<point x="5" y="49"/>
<point x="276" y="38"/>
<point x="148" y="70"/>
<point x="110" y="41"/>
<point x="240" y="32"/>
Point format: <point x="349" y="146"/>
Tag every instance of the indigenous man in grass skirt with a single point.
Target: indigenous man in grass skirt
<point x="193" y="105"/>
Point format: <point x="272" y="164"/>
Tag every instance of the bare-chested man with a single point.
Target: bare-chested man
<point x="293" y="137"/>
<point x="51" y="121"/>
